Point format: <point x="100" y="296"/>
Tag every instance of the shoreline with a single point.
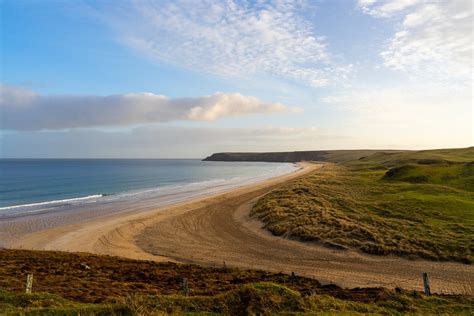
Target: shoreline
<point x="159" y="195"/>
<point x="16" y="226"/>
<point x="38" y="230"/>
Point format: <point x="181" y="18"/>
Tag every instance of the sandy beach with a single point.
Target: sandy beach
<point x="214" y="229"/>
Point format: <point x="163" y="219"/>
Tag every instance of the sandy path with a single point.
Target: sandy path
<point x="215" y="229"/>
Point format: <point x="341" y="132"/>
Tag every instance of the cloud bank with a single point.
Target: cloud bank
<point x="231" y="39"/>
<point x="22" y="109"/>
<point x="163" y="142"/>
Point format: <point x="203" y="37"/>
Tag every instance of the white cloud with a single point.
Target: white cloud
<point x="434" y="39"/>
<point x="231" y="104"/>
<point x="22" y="109"/>
<point x="233" y="39"/>
<point x="385" y="8"/>
<point x="365" y="3"/>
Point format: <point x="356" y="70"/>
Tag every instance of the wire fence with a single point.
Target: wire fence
<point x="142" y="287"/>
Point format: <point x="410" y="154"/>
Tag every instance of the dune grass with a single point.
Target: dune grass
<point x="413" y="204"/>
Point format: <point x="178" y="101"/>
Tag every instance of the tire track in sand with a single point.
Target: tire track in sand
<point x="223" y="231"/>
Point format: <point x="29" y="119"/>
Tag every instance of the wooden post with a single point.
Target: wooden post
<point x="29" y="283"/>
<point x="185" y="287"/>
<point x="292" y="277"/>
<point x="426" y="284"/>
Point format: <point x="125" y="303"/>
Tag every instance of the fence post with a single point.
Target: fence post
<point x="292" y="277"/>
<point x="29" y="283"/>
<point x="185" y="287"/>
<point x="426" y="284"/>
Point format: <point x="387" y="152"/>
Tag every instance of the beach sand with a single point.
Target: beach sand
<point x="214" y="229"/>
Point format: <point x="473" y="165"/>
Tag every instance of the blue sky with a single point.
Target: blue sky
<point x="186" y="78"/>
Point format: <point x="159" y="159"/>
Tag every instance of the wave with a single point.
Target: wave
<point x="54" y="202"/>
<point x="189" y="189"/>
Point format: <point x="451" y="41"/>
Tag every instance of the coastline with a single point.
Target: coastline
<point x="121" y="184"/>
<point x="51" y="230"/>
<point x="211" y="229"/>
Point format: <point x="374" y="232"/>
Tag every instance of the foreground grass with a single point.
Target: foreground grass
<point x="413" y="204"/>
<point x="50" y="304"/>
<point x="77" y="283"/>
<point x="90" y="278"/>
<point x="248" y="299"/>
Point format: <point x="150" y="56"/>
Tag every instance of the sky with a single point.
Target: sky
<point x="184" y="79"/>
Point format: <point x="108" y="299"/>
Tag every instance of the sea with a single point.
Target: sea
<point x="31" y="186"/>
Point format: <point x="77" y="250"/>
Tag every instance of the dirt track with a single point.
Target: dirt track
<point x="214" y="229"/>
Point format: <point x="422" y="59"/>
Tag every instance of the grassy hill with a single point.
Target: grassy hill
<point x="74" y="283"/>
<point x="296" y="156"/>
<point x="422" y="156"/>
<point x="450" y="167"/>
<point x="412" y="204"/>
<point x="373" y="155"/>
<point x="456" y="175"/>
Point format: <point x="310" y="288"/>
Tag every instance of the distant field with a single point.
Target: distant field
<point x="72" y="284"/>
<point x="411" y="204"/>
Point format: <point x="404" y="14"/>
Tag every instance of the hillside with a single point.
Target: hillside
<point x="296" y="156"/>
<point x="411" y="204"/>
<point x="73" y="283"/>
<point x="445" y="167"/>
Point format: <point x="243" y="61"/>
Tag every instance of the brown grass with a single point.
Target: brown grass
<point x="110" y="278"/>
<point x="115" y="286"/>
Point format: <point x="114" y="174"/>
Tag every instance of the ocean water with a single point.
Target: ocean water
<point x="46" y="185"/>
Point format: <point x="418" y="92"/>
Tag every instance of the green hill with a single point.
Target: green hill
<point x="296" y="156"/>
<point x="456" y="175"/>
<point x="412" y="204"/>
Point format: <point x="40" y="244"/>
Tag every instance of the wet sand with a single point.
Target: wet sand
<point x="217" y="228"/>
